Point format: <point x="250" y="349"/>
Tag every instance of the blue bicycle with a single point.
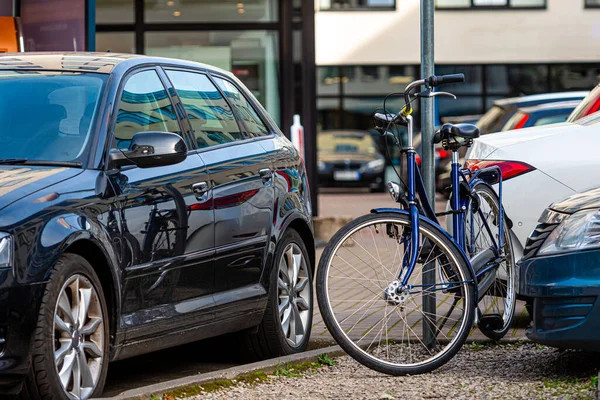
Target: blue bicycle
<point x="397" y="291"/>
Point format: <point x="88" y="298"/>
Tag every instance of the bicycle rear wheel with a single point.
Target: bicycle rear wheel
<point x="378" y="326"/>
<point x="499" y="301"/>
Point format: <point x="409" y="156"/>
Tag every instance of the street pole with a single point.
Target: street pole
<point x="427" y="163"/>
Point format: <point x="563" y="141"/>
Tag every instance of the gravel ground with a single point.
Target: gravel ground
<point x="506" y="371"/>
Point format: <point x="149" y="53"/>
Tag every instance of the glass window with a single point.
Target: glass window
<point x="47" y="115"/>
<point x="489" y="3"/>
<point x="517" y="80"/>
<point x="210" y="116"/>
<point x="551" y="119"/>
<point x="354" y="4"/>
<point x="574" y="76"/>
<point x="144" y="107"/>
<point x="463" y="105"/>
<point x="592" y="3"/>
<point x="116" y="42"/>
<point x="244" y="110"/>
<point x="251" y="55"/>
<point x="211" y="11"/>
<point x="114" y="11"/>
<point x="473" y="80"/>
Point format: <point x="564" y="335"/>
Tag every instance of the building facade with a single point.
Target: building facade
<point x="369" y="48"/>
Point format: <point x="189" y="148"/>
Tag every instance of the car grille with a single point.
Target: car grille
<point x="537" y="238"/>
<point x="343" y="165"/>
<point x="561" y="312"/>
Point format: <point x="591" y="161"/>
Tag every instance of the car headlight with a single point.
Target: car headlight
<point x="321" y="165"/>
<point x="6" y="250"/>
<point x="375" y="165"/>
<point x="552" y="217"/>
<point x="580" y="231"/>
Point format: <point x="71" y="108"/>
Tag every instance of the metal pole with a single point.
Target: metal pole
<point x="427" y="164"/>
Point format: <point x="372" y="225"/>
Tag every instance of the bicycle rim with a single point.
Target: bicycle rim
<point x="381" y="331"/>
<point x="500" y="299"/>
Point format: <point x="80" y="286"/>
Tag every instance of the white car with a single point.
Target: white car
<point x="539" y="166"/>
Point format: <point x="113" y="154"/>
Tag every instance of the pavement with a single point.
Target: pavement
<point x="213" y="355"/>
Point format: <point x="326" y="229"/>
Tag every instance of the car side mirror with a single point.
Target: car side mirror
<point x="151" y="149"/>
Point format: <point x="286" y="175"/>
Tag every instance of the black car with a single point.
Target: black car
<point x="144" y="203"/>
<point x="349" y="158"/>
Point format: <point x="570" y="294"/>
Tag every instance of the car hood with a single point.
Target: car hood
<point x="589" y="199"/>
<point x="17" y="182"/>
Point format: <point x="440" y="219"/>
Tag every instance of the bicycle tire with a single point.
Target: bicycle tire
<point x="501" y="288"/>
<point x="325" y="297"/>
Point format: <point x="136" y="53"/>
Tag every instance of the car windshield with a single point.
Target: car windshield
<point x="588" y="106"/>
<point x="47" y="116"/>
<point x="346" y="142"/>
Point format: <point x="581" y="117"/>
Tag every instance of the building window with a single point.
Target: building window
<point x="592" y="3"/>
<point x="336" y="5"/>
<point x="491" y="4"/>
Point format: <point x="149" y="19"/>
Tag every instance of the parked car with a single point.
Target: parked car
<point x="349" y="158"/>
<point x="543" y="114"/>
<point x="540" y="165"/>
<point x="496" y="118"/>
<point x="144" y="203"/>
<point x="588" y="106"/>
<point x="560" y="274"/>
<point x="502" y="110"/>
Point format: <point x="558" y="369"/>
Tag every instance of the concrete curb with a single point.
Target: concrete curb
<point x="268" y="366"/>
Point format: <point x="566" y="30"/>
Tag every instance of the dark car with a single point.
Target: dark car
<point x="560" y="274"/>
<point x="350" y="159"/>
<point x="144" y="203"/>
<point x="543" y="114"/>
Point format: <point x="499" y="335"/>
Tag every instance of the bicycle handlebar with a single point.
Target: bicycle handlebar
<point x="443" y="79"/>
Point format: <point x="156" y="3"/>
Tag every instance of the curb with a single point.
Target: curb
<point x="268" y="366"/>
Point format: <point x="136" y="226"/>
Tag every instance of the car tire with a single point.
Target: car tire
<point x="72" y="273"/>
<point x="272" y="339"/>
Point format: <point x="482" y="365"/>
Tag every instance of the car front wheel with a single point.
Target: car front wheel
<point x="70" y="349"/>
<point x="286" y="325"/>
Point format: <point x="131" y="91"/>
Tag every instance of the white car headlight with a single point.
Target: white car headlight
<point x="580" y="231"/>
<point x="6" y="250"/>
<point x="375" y="165"/>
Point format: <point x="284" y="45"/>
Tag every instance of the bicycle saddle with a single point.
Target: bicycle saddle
<point x="465" y="131"/>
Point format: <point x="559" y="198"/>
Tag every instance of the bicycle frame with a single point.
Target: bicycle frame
<point x="458" y="205"/>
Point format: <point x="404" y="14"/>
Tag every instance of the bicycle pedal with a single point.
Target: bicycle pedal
<point x="491" y="322"/>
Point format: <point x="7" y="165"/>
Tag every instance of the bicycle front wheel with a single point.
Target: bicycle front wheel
<point x="410" y="330"/>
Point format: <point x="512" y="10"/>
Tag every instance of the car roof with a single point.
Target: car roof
<point x="561" y="105"/>
<point x="103" y="63"/>
<point x="541" y="98"/>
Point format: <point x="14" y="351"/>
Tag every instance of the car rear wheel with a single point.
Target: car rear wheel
<point x="286" y="325"/>
<point x="70" y="348"/>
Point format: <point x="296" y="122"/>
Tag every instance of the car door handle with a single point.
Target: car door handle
<point x="265" y="175"/>
<point x="200" y="190"/>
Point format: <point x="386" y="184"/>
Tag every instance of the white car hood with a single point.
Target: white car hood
<point x="556" y="150"/>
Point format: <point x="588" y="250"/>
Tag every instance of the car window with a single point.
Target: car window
<point x="552" y="119"/>
<point x="144" y="107"/>
<point x="345" y="142"/>
<point x="250" y="119"/>
<point x="491" y="120"/>
<point x="47" y="117"/>
<point x="209" y="114"/>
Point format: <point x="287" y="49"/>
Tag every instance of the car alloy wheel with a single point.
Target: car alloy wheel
<point x="78" y="337"/>
<point x="294" y="294"/>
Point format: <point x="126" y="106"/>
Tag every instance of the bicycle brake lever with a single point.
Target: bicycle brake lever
<point x="429" y="93"/>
